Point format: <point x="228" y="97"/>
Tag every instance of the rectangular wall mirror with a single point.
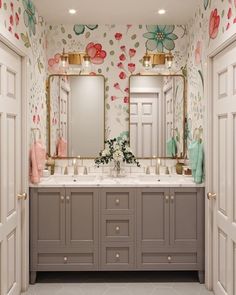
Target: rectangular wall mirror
<point x="157" y="115"/>
<point x="76" y="115"/>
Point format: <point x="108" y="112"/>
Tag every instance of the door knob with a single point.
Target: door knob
<point x="22" y="196"/>
<point x="211" y="196"/>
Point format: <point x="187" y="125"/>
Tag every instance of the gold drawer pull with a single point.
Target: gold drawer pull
<point x="62" y="198"/>
<point x="117" y="202"/>
<point x="65" y="259"/>
<point x="167" y="198"/>
<point x="22" y="196"/>
<point x="169" y="258"/>
<point x="117" y="229"/>
<point x="68" y="198"/>
<point x="172" y="198"/>
<point x="211" y="196"/>
<point x="117" y="256"/>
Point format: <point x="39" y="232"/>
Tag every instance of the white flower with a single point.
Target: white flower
<point x="105" y="152"/>
<point x="117" y="156"/>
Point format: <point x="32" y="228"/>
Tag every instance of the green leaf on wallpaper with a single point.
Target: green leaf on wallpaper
<point x="222" y="13"/>
<point x="104" y="35"/>
<point x="5" y="6"/>
<point x="25" y="39"/>
<point x="113" y="26"/>
<point x="206" y="2"/>
<point x="112" y="52"/>
<point x="64" y="41"/>
<point x="99" y="71"/>
<point x="106" y="96"/>
<point x="69" y="36"/>
<point x="107" y="69"/>
<point x="140" y="27"/>
<point x="136" y="45"/>
<point x="126" y="119"/>
<point x="133" y="37"/>
<point x="63" y="30"/>
<point x="87" y="35"/>
<point x="108" y="106"/>
<point x="112" y="64"/>
<point x="111" y="42"/>
<point x="19" y="10"/>
<point x="107" y="88"/>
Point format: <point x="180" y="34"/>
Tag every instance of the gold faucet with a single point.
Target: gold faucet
<point x="50" y="163"/>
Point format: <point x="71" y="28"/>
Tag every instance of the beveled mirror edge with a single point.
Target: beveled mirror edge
<point x="184" y="113"/>
<point x="48" y="103"/>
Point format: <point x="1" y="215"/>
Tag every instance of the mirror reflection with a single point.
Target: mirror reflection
<point x="76" y="116"/>
<point x="157" y="115"/>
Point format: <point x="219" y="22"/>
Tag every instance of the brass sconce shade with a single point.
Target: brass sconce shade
<point x="158" y="59"/>
<point x="75" y="58"/>
<point x="147" y="62"/>
<point x="64" y="59"/>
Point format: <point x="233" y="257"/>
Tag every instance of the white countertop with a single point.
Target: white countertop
<point x="125" y="181"/>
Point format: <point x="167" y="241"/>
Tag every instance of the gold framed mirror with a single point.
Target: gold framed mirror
<point x="75" y="115"/>
<point x="157" y="115"/>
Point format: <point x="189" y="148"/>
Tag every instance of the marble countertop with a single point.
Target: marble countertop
<point x="125" y="181"/>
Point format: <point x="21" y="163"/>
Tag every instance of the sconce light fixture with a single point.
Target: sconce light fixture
<point x="74" y="59"/>
<point x="157" y="59"/>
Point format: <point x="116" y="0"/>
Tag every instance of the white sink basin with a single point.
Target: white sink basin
<point x="67" y="179"/>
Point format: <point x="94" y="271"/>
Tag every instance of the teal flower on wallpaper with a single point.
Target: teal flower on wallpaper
<point x="29" y="16"/>
<point x="79" y="29"/>
<point x="160" y="37"/>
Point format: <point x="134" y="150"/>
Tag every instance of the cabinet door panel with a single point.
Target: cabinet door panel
<point x="186" y="217"/>
<point x="48" y="215"/>
<point x="82" y="217"/>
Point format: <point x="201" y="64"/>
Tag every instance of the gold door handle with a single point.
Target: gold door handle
<point x="211" y="196"/>
<point x="22" y="196"/>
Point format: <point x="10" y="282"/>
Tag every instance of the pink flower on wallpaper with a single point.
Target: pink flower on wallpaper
<point x="127" y="89"/>
<point x="92" y="74"/>
<point x="113" y="97"/>
<point x="118" y="36"/>
<point x="128" y="27"/>
<point x="122" y="57"/>
<point x="123" y="48"/>
<point x="96" y="53"/>
<point x="122" y="75"/>
<point x="198" y="53"/>
<point x="235" y="20"/>
<point x="53" y="63"/>
<point x="12" y="6"/>
<point x="131" y="67"/>
<point x="214" y="24"/>
<point x="120" y="65"/>
<point x="17" y="19"/>
<point x="11" y="20"/>
<point x="126" y="99"/>
<point x="229" y="14"/>
<point x="117" y="86"/>
<point x="132" y="52"/>
<point x="17" y="36"/>
<point x="235" y="3"/>
<point x="0" y="3"/>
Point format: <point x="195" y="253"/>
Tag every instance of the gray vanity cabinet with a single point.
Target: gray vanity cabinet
<point x="64" y="230"/>
<point x="170" y="229"/>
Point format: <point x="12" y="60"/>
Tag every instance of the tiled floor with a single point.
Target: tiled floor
<point x="121" y="285"/>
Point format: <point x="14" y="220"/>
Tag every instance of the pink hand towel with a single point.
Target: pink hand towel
<point x="62" y="147"/>
<point x="37" y="161"/>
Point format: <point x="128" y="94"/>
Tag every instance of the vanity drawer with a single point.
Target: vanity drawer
<point x="117" y="228"/>
<point x="118" y="201"/>
<point x="66" y="261"/>
<point x="175" y="261"/>
<point x="117" y="256"/>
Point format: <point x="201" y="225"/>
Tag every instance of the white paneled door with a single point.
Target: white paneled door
<point x="224" y="172"/>
<point x="10" y="171"/>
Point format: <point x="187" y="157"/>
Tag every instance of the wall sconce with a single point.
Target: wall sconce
<point x="74" y="59"/>
<point x="157" y="59"/>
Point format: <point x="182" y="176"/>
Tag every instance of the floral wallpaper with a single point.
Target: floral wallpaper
<point x="116" y="52"/>
<point x="213" y="23"/>
<point x="21" y="24"/>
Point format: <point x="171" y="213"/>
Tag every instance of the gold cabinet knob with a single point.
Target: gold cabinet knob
<point x="172" y="198"/>
<point x="117" y="201"/>
<point x="62" y="198"/>
<point x="167" y="198"/>
<point x="22" y="196"/>
<point x="117" y="229"/>
<point x="65" y="259"/>
<point x="169" y="258"/>
<point x="117" y="256"/>
<point x="211" y="196"/>
<point x="68" y="198"/>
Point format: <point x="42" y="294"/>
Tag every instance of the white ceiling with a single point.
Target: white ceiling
<point x="116" y="12"/>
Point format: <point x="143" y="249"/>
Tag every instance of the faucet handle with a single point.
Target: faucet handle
<point x="85" y="170"/>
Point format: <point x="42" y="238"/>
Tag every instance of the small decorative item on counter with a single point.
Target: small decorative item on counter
<point x="117" y="151"/>
<point x="187" y="171"/>
<point x="179" y="167"/>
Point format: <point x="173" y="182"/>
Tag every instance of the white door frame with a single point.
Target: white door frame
<point x="22" y="52"/>
<point x="208" y="139"/>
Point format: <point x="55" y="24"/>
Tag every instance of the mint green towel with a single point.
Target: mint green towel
<point x="196" y="157"/>
<point x="171" y="147"/>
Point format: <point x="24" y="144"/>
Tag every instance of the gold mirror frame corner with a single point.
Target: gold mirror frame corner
<point x="48" y="105"/>
<point x="184" y="111"/>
